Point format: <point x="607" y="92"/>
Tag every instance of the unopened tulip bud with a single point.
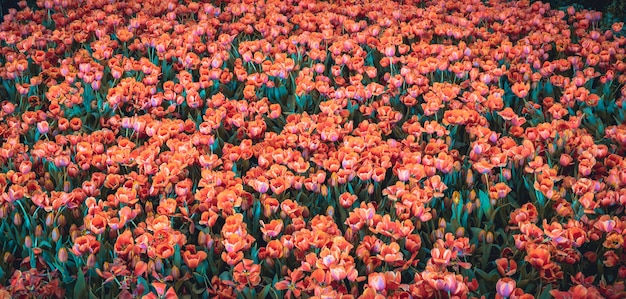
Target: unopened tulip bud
<point x="460" y="232"/>
<point x="38" y="231"/>
<point x="469" y="207"/>
<point x="28" y="242"/>
<point x="506" y="173"/>
<point x="148" y="207"/>
<point x="158" y="264"/>
<point x="481" y="236"/>
<point x="469" y="179"/>
<point x="456" y="197"/>
<point x="62" y="255"/>
<point x="17" y="219"/>
<point x="175" y="273"/>
<point x="442" y="223"/>
<point x="202" y="238"/>
<point x="61" y="221"/>
<point x="440" y="233"/>
<point x="472" y="195"/>
<point x="50" y="220"/>
<point x="489" y="237"/>
<point x="91" y="261"/>
<point x="151" y="266"/>
<point x="8" y="258"/>
<point x="55" y="234"/>
<point x="370" y="189"/>
<point x="349" y="235"/>
<point x="330" y="211"/>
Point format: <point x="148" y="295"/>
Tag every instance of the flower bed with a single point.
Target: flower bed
<point x="277" y="149"/>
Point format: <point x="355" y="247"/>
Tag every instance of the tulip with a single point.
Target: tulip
<point x="505" y="287"/>
<point x="377" y="281"/>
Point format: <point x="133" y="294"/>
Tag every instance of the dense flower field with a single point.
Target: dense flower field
<point x="311" y="149"/>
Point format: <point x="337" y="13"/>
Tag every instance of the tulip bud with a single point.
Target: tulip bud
<point x="158" y="264"/>
<point x="17" y="219"/>
<point x="489" y="237"/>
<point x="440" y="233"/>
<point x="456" y="197"/>
<point x="460" y="232"/>
<point x="38" y="231"/>
<point x="370" y="189"/>
<point x="202" y="238"/>
<point x="175" y="273"/>
<point x="330" y="211"/>
<point x="349" y="235"/>
<point x="91" y="261"/>
<point x="324" y="190"/>
<point x="8" y="258"/>
<point x="469" y="179"/>
<point x="28" y="242"/>
<point x="442" y="223"/>
<point x="61" y="221"/>
<point x="55" y="234"/>
<point x="192" y="228"/>
<point x="481" y="236"/>
<point x="50" y="219"/>
<point x="148" y="207"/>
<point x="62" y="255"/>
<point x="418" y="225"/>
<point x="151" y="266"/>
<point x="506" y="173"/>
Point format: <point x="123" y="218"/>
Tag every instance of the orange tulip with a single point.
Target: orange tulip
<point x="193" y="259"/>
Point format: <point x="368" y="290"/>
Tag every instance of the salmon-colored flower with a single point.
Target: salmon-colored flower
<point x="246" y="273"/>
<point x="272" y="229"/>
<point x="193" y="258"/>
<point x="85" y="244"/>
<point x="505" y="287"/>
<point x="506" y="267"/>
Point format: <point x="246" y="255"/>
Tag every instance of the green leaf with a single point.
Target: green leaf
<point x="177" y="258"/>
<point x="264" y="292"/>
<point x="485" y="204"/>
<point x="490" y="277"/>
<point x="545" y="293"/>
<point x="80" y="290"/>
